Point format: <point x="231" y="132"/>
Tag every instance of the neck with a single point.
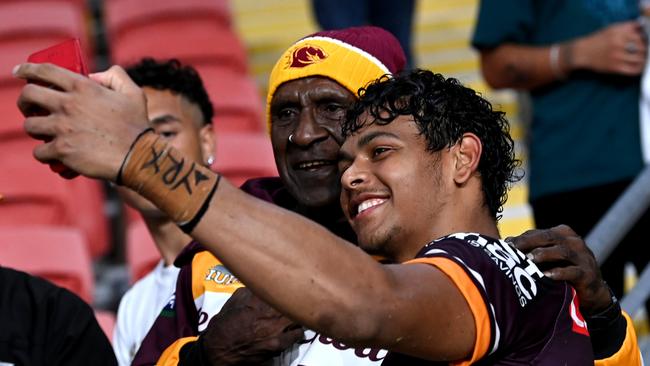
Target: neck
<point x="466" y="212"/>
<point x="169" y="239"/>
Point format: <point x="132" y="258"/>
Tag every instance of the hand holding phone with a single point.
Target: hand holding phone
<point x="68" y="55"/>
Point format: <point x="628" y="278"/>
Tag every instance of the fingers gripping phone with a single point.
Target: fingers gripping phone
<point x="68" y="55"/>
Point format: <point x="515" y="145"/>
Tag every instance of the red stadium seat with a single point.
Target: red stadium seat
<point x="236" y="99"/>
<point x="35" y="18"/>
<point x="11" y="123"/>
<point x="196" y="44"/>
<point x="55" y="253"/>
<point x="195" y="32"/>
<point x="242" y="156"/>
<point x="29" y="26"/>
<point x="106" y="320"/>
<point x="79" y="4"/>
<point x="142" y="255"/>
<point x="32" y="193"/>
<point x="124" y="14"/>
<point x="87" y="206"/>
<point x="35" y="195"/>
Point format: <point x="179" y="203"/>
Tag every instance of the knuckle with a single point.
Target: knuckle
<point x="565" y="253"/>
<point x="79" y="84"/>
<point x="59" y="146"/>
<point x="68" y="106"/>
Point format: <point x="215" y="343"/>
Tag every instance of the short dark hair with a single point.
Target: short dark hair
<point x="443" y="110"/>
<point x="172" y="75"/>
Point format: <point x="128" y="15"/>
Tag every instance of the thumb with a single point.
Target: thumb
<point x="116" y="79"/>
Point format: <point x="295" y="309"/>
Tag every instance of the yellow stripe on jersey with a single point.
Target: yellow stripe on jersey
<point x="210" y="275"/>
<point x="629" y="353"/>
<point x="171" y="355"/>
<point x="474" y="299"/>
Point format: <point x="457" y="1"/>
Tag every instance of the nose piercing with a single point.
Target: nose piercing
<point x="291" y="138"/>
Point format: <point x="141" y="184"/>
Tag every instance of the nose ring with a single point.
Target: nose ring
<point x="291" y="138"/>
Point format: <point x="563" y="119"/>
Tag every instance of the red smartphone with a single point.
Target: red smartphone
<point x="68" y="55"/>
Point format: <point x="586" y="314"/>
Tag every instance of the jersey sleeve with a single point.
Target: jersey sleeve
<point x="513" y="305"/>
<point x="474" y="298"/>
<point x="629" y="354"/>
<point x="177" y="319"/>
<point x="172" y="355"/>
<point x="203" y="286"/>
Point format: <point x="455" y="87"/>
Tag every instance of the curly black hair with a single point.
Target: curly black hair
<point x="443" y="110"/>
<point x="172" y="75"/>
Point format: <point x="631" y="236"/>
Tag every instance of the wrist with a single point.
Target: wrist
<point x="600" y="301"/>
<point x="178" y="186"/>
<point x="605" y="317"/>
<point x="574" y="55"/>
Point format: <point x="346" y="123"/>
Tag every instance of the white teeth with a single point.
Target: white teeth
<point x="369" y="203"/>
<point x="312" y="164"/>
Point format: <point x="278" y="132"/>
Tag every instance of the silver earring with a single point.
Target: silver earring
<point x="210" y="160"/>
<point x="291" y="138"/>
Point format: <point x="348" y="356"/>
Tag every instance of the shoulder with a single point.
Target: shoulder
<point x="31" y="292"/>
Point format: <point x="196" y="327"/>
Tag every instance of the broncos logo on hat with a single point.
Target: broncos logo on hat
<point x="307" y="55"/>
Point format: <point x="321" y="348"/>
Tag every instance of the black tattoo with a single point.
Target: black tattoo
<point x="199" y="177"/>
<point x="174" y="170"/>
<point x="185" y="181"/>
<point x="173" y="176"/>
<point x="155" y="157"/>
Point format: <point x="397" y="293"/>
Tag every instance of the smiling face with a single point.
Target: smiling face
<point x="179" y="122"/>
<point x="311" y="110"/>
<point x="393" y="189"/>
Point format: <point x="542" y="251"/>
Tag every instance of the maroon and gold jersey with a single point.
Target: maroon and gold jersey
<point x="521" y="316"/>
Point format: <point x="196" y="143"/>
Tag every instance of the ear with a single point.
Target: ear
<point x="207" y="141"/>
<point x="467" y="155"/>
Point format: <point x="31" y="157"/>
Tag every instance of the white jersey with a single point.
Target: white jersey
<point x="139" y="308"/>
<point x="318" y="350"/>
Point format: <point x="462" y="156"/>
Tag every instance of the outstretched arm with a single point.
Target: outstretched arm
<point x="295" y="265"/>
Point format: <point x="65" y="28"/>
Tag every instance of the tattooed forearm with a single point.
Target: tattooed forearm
<point x="157" y="171"/>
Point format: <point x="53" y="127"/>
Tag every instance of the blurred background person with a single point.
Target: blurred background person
<point x="394" y="16"/>
<point x="581" y="61"/>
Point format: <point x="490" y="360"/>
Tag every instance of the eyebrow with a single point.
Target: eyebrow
<point x="364" y="141"/>
<point x="165" y="118"/>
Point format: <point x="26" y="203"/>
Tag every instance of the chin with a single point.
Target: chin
<point x="379" y="242"/>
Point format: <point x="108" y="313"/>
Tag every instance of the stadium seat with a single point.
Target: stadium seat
<point x="236" y="99"/>
<point x="124" y="14"/>
<point x="106" y="320"/>
<point x="89" y="213"/>
<point x="29" y="26"/>
<point x="32" y="193"/>
<point x="141" y="252"/>
<point x="11" y="123"/>
<point x="196" y="44"/>
<point x="35" y="195"/>
<point x="242" y="156"/>
<point x="79" y="4"/>
<point x="55" y="253"/>
<point x="194" y="32"/>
